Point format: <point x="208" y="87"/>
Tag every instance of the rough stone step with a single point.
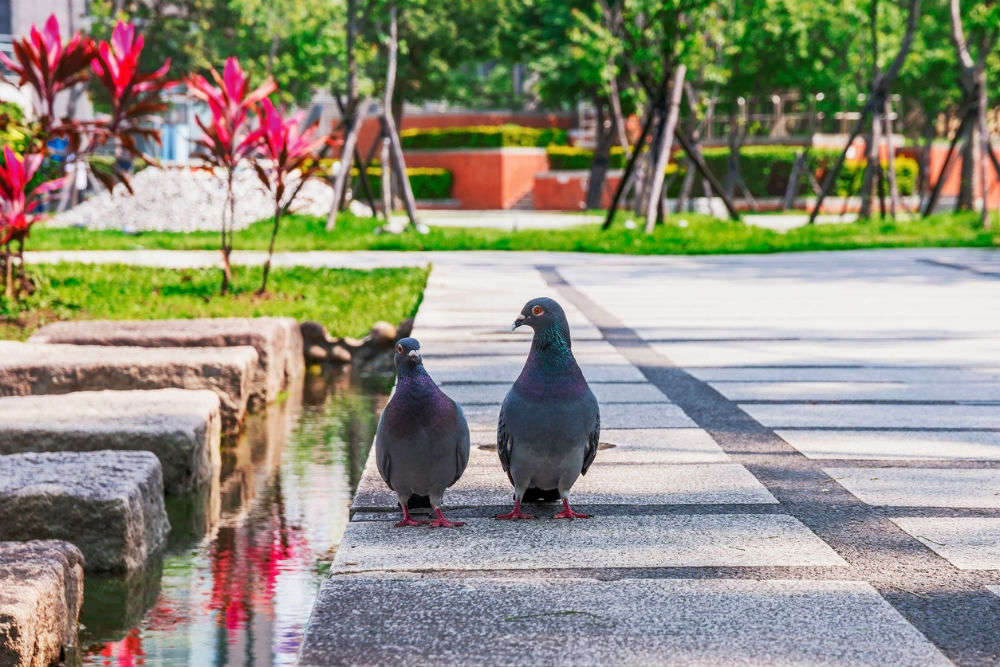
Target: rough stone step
<point x="38" y="368"/>
<point x="107" y="503"/>
<point x="41" y="591"/>
<point x="423" y="619"/>
<point x="182" y="427"/>
<point x="277" y="340"/>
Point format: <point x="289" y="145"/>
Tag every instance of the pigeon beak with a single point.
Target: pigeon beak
<point x="414" y="356"/>
<point x="517" y="322"/>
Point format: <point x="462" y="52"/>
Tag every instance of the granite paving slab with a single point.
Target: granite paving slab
<point x="874" y="415"/>
<point x="809" y="372"/>
<point x="181" y="426"/>
<point x="606" y="392"/>
<point x="695" y="540"/>
<point x="41" y="592"/>
<point x="618" y="476"/>
<point x="539" y="621"/>
<point x="613" y="416"/>
<point x="506" y="369"/>
<point x="888" y="444"/>
<point x="968" y="543"/>
<point x="921" y="487"/>
<point x="277" y="341"/>
<point x="41" y="368"/>
<point x="860" y="391"/>
<point x="107" y="503"/>
<point x="638" y="445"/>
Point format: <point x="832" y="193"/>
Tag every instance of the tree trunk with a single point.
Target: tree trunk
<point x="894" y="202"/>
<point x="946" y="166"/>
<point x="347" y="152"/>
<point x="965" y="194"/>
<point x="602" y="153"/>
<point x="924" y="162"/>
<point x="270" y="248"/>
<point x="386" y="179"/>
<point x="671" y="112"/>
<point x="984" y="144"/>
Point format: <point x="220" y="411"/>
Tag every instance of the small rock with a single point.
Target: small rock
<point x="340" y="354"/>
<point x="360" y="209"/>
<point x="316" y="354"/>
<point x="382" y="334"/>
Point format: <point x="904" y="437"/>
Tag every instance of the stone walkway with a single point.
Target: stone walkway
<point x="805" y="469"/>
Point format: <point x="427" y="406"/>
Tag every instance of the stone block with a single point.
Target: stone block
<point x="277" y="340"/>
<point x="107" y="503"/>
<point x="39" y="368"/>
<point x="41" y="591"/>
<point x="182" y="427"/>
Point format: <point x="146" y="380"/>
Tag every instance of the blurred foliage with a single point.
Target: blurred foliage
<point x="426" y="182"/>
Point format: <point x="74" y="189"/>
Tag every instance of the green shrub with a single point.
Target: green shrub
<point x="573" y="157"/>
<point x="481" y="136"/>
<point x="426" y="182"/>
<point x="852" y="175"/>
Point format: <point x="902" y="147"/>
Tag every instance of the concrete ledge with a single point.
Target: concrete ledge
<point x="182" y="427"/>
<point x="107" y="503"/>
<point x="428" y="620"/>
<point x="277" y="340"/>
<point x="41" y="591"/>
<point x="36" y="368"/>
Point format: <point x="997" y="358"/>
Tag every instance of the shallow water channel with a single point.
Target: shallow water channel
<point x="246" y="556"/>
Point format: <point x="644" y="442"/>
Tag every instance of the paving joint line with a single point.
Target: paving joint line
<point x="959" y="267"/>
<point x="950" y="607"/>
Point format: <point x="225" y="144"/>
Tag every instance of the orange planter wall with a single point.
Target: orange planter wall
<point x="567" y="190"/>
<point x="370" y="128"/>
<point x="485" y="178"/>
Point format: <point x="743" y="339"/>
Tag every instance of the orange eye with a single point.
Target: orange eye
<point x="400" y="350"/>
<point x="537" y="310"/>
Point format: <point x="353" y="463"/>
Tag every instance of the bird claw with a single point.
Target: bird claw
<point x="444" y="523"/>
<point x="410" y="522"/>
<point x="568" y="512"/>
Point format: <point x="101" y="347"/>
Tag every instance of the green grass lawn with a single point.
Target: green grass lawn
<point x="701" y="235"/>
<point x="347" y="302"/>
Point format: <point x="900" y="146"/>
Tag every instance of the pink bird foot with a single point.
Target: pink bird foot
<point x="515" y="513"/>
<point x="568" y="512"/>
<point x="407" y="521"/>
<point x="441" y="522"/>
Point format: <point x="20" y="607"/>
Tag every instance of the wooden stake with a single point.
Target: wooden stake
<point x="665" y="144"/>
<point x="346" y="160"/>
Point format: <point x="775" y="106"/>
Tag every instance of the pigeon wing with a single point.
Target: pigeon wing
<point x="593" y="440"/>
<point x="504" y="442"/>
<point x="462" y="445"/>
<point x="382" y="455"/>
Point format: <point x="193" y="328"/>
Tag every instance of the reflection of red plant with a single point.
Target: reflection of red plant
<point x="286" y="149"/>
<point x="228" y="139"/>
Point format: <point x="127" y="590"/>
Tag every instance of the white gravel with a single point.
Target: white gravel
<point x="185" y="200"/>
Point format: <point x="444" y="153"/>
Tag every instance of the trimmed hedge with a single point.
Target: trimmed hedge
<point x="573" y="157"/>
<point x="481" y="136"/>
<point x="427" y="182"/>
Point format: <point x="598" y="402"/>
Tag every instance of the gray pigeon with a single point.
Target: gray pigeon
<point x="422" y="439"/>
<point x="549" y="423"/>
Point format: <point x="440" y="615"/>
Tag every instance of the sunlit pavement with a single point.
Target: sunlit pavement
<point x="806" y="467"/>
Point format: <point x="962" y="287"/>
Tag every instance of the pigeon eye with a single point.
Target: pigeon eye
<point x="400" y="350"/>
<point x="537" y="310"/>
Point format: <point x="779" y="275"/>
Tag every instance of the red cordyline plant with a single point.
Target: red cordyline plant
<point x="229" y="139"/>
<point x="43" y="63"/>
<point x="18" y="201"/>
<point x="288" y="159"/>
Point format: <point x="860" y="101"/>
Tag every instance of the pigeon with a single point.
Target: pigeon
<point x="550" y="423"/>
<point x="422" y="439"/>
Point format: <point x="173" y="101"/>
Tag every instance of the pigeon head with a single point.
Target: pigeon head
<point x="407" y="354"/>
<point x="543" y="315"/>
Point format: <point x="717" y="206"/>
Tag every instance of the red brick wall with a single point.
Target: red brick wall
<point x="486" y="178"/>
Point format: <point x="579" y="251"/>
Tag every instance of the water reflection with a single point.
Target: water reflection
<point x="242" y="568"/>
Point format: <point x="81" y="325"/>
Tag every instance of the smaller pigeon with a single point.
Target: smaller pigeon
<point x="550" y="423"/>
<point x="422" y="439"/>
